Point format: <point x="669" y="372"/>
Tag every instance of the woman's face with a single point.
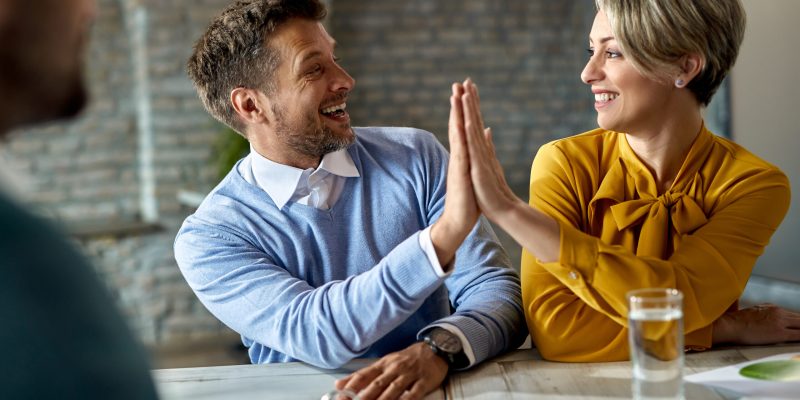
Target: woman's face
<point x="625" y="100"/>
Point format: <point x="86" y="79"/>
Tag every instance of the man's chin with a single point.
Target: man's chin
<point x="75" y="103"/>
<point x="68" y="104"/>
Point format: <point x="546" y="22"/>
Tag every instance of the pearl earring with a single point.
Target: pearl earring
<point x="679" y="83"/>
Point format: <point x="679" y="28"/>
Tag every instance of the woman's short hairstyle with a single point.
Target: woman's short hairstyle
<point x="234" y="51"/>
<point x="655" y="34"/>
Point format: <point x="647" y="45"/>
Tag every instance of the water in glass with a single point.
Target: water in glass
<point x="656" y="337"/>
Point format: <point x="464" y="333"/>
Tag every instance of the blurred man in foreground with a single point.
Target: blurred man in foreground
<point x="60" y="336"/>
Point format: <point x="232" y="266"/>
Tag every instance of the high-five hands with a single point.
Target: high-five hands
<point x="488" y="181"/>
<point x="460" y="210"/>
<point x="534" y="230"/>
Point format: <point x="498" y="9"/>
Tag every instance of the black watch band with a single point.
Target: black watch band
<point x="446" y="345"/>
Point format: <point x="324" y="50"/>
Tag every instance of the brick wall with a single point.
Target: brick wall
<point x="526" y="55"/>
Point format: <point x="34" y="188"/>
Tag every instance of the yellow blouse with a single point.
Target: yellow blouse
<point x="703" y="236"/>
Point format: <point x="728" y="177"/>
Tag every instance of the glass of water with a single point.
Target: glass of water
<point x="655" y="335"/>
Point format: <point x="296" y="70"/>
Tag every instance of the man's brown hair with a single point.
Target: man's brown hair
<point x="235" y="52"/>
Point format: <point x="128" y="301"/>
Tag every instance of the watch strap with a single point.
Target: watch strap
<point x="457" y="360"/>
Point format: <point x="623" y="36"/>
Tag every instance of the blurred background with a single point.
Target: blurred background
<point x="121" y="178"/>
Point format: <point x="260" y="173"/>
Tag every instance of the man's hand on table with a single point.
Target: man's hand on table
<point x="407" y="374"/>
<point x="757" y="325"/>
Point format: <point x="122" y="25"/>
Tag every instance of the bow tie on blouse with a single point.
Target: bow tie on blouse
<point x="656" y="213"/>
<point x="663" y="218"/>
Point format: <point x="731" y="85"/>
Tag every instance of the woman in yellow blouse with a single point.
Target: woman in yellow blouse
<point x="664" y="204"/>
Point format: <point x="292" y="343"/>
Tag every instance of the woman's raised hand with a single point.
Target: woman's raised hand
<point x="488" y="182"/>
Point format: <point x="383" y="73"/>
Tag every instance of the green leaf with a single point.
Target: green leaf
<point x="781" y="370"/>
<point x="228" y="149"/>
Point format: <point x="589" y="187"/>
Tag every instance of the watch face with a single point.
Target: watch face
<point x="446" y="341"/>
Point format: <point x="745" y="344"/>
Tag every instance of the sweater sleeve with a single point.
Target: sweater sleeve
<point x="576" y="308"/>
<point x="484" y="290"/>
<point x="326" y="326"/>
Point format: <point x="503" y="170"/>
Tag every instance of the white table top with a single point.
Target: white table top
<point x="520" y="374"/>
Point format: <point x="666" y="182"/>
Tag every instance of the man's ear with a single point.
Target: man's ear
<point x="690" y="66"/>
<point x="251" y="105"/>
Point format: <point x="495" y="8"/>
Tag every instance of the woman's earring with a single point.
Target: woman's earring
<point x="679" y="83"/>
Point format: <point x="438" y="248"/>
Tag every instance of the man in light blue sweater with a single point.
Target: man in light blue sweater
<point x="328" y="243"/>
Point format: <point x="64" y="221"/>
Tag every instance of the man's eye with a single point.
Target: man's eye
<point x="337" y="59"/>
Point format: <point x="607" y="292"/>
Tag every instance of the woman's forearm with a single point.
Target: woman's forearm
<point x="532" y="229"/>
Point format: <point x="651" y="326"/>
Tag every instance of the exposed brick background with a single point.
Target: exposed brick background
<point x="526" y="55"/>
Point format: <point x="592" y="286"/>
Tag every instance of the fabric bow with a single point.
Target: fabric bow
<point x="655" y="215"/>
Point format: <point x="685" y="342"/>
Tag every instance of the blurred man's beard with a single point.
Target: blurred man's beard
<point x="308" y="139"/>
<point x="72" y="102"/>
<point x="39" y="93"/>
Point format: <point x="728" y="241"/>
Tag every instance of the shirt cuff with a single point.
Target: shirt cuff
<point x="427" y="247"/>
<point x="578" y="256"/>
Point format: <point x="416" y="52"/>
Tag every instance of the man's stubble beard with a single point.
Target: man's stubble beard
<point x="41" y="94"/>
<point x="309" y="139"/>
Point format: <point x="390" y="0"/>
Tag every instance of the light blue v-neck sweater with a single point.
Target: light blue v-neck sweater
<point x="327" y="286"/>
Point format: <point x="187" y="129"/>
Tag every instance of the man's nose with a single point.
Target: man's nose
<point x="342" y="80"/>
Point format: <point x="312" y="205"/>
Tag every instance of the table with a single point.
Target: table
<point x="520" y="374"/>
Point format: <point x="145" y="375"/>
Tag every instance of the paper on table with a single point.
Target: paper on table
<point x="730" y="379"/>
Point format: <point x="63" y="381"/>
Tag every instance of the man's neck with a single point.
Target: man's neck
<point x="273" y="149"/>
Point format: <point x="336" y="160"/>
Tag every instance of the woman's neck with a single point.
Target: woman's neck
<point x="664" y="147"/>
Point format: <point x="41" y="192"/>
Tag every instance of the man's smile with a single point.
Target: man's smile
<point x="336" y="112"/>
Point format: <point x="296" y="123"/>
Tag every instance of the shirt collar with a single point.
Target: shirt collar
<point x="281" y="181"/>
<point x="339" y="163"/>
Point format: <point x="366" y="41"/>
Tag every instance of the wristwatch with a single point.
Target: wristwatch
<point x="446" y="345"/>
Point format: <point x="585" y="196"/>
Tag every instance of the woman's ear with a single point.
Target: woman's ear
<point x="250" y="105"/>
<point x="690" y="66"/>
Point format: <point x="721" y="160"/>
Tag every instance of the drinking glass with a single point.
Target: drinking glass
<point x="655" y="335"/>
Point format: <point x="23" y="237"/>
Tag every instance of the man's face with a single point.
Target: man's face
<point x="41" y="56"/>
<point x="308" y="103"/>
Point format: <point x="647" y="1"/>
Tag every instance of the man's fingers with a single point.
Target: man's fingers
<point x="362" y="378"/>
<point x="397" y="387"/>
<point x="385" y="381"/>
<point x="416" y="392"/>
<point x="342" y="383"/>
<point x="456" y="123"/>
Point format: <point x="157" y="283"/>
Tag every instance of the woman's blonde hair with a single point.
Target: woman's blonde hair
<point x="654" y="35"/>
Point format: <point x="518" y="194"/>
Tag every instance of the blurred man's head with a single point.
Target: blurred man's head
<point x="41" y="58"/>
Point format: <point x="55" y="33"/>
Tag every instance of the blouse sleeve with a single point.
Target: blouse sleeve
<point x="576" y="308"/>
